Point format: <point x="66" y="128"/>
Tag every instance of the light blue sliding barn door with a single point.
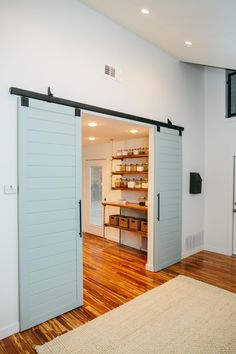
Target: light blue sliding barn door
<point x="168" y="236"/>
<point x="50" y="243"/>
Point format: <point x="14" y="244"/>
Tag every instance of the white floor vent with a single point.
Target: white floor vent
<point x="112" y="72"/>
<point x="194" y="241"/>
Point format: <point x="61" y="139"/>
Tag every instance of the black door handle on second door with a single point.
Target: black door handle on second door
<point x="158" y="206"/>
<point x="80" y="220"/>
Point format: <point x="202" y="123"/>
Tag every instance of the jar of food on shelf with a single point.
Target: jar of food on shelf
<point x="122" y="168"/>
<point x="117" y="182"/>
<point x="145" y="183"/>
<point x="140" y="167"/>
<point x="125" y="152"/>
<point x="125" y="182"/>
<point x="138" y="183"/>
<point x="141" y="151"/>
<point x="133" y="168"/>
<point x="122" y="183"/>
<point x="130" y="152"/>
<point x="119" y="152"/>
<point x="142" y="201"/>
<point x="128" y="168"/>
<point x="117" y="168"/>
<point x="131" y="183"/>
<point x="145" y="167"/>
<point x="136" y="151"/>
<point x="146" y="150"/>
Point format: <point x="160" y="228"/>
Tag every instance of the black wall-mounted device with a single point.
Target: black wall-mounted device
<point x="195" y="183"/>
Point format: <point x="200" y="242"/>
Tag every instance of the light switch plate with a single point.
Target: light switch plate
<point x="10" y="189"/>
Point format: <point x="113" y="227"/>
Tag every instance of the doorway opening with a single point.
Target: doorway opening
<point x="117" y="178"/>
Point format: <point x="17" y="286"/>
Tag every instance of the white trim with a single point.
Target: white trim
<point x="217" y="250"/>
<point x="191" y="252"/>
<point x="9" y="330"/>
<point x="151" y="199"/>
<point x="150" y="267"/>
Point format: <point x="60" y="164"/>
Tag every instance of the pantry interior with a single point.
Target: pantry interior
<point x="116" y="180"/>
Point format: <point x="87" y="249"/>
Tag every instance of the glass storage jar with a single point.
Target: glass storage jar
<point x="133" y="168"/>
<point x="125" y="182"/>
<point x="128" y="168"/>
<point x="130" y="152"/>
<point x="125" y="152"/>
<point x="117" y="182"/>
<point x="122" y="168"/>
<point x="131" y="183"/>
<point x="138" y="183"/>
<point x="140" y="167"/>
<point x="145" y="183"/>
<point x="145" y="167"/>
<point x="136" y="151"/>
<point x="122" y="183"/>
<point x="141" y="151"/>
<point x="117" y="168"/>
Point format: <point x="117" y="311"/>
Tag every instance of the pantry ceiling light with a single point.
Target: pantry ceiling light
<point x="145" y="11"/>
<point x="133" y="131"/>
<point x="92" y="138"/>
<point x="92" y="124"/>
<point x="188" y="43"/>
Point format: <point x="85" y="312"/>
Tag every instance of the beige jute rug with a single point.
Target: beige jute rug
<point x="182" y="316"/>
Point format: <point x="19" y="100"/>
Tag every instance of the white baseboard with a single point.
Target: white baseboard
<point x="9" y="330"/>
<point x="150" y="267"/>
<point x="191" y="252"/>
<point x="217" y="250"/>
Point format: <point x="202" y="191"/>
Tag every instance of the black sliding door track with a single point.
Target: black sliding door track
<point x="82" y="106"/>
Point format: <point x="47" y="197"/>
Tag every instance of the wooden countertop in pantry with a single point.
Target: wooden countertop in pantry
<point x="127" y="205"/>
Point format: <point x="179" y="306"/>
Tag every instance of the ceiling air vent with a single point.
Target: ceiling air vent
<point x="112" y="72"/>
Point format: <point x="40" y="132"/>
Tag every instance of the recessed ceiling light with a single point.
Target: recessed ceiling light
<point x="92" y="124"/>
<point x="188" y="43"/>
<point x="133" y="131"/>
<point x="145" y="11"/>
<point x="92" y="138"/>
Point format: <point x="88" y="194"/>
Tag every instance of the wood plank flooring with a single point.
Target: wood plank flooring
<point x="113" y="275"/>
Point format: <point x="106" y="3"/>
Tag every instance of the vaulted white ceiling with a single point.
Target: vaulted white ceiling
<point x="209" y="24"/>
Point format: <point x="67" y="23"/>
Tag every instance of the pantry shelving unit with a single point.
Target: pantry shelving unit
<point x="122" y="206"/>
<point x="121" y="173"/>
<point x="125" y="206"/>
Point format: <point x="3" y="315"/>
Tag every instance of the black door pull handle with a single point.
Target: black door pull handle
<point x="80" y="220"/>
<point x="158" y="206"/>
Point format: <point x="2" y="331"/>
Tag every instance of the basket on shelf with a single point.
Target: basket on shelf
<point x="123" y="221"/>
<point x="114" y="220"/>
<point x="134" y="224"/>
<point x="144" y="225"/>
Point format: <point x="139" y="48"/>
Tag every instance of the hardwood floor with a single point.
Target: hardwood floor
<point x="114" y="275"/>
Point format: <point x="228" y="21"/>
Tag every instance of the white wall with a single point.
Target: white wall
<point x="63" y="44"/>
<point x="220" y="147"/>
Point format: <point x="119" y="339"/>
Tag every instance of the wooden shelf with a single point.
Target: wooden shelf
<point x="127" y="206"/>
<point x="123" y="157"/>
<point x="130" y="173"/>
<point x="131" y="189"/>
<point x="142" y="233"/>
